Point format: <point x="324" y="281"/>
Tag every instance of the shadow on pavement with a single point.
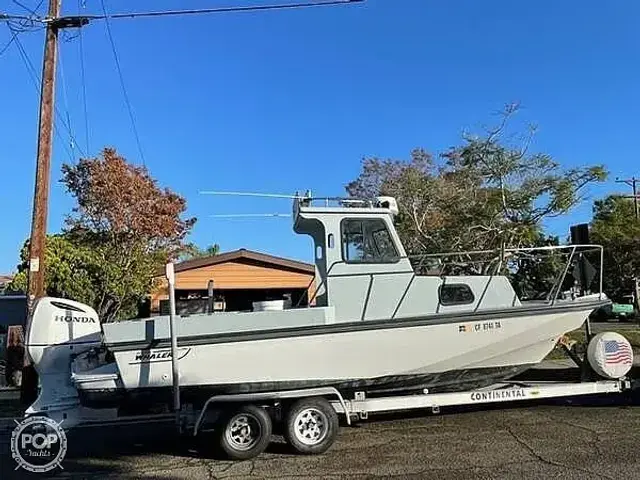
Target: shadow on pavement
<point x="116" y="450"/>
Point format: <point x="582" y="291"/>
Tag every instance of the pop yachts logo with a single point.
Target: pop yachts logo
<point x="72" y="319"/>
<point x="38" y="444"/>
<point x="149" y="356"/>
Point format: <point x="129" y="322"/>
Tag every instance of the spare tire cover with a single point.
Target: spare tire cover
<point x="610" y="355"/>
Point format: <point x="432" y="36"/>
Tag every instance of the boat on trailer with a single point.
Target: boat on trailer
<point x="375" y="327"/>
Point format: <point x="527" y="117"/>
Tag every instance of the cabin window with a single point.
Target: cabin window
<point x="319" y="252"/>
<point x="367" y="241"/>
<point x="330" y="241"/>
<point x="455" y="294"/>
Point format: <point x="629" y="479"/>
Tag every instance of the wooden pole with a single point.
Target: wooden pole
<point x="41" y="194"/>
<point x="43" y="166"/>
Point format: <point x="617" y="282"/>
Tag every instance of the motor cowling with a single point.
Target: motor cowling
<point x="57" y="329"/>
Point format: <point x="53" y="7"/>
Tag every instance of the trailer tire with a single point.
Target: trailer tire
<point x="244" y="433"/>
<point x="311" y="426"/>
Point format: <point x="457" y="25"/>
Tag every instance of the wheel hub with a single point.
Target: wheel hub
<point x="243" y="432"/>
<point x="311" y="426"/>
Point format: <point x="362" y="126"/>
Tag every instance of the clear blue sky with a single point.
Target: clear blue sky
<point x="280" y="101"/>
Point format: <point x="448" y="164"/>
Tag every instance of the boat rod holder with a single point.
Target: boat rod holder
<point x="170" y="274"/>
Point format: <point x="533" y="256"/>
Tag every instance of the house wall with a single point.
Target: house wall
<point x="232" y="275"/>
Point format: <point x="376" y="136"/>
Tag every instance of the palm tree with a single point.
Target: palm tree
<point x="192" y="251"/>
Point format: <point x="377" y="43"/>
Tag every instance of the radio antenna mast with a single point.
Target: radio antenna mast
<point x="255" y="194"/>
<point x="249" y="215"/>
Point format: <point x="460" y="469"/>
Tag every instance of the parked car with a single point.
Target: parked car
<point x="622" y="310"/>
<point x="625" y="309"/>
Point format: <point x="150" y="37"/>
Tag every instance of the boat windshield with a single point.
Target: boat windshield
<point x="367" y="240"/>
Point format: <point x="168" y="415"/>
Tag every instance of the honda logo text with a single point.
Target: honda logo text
<point x="72" y="319"/>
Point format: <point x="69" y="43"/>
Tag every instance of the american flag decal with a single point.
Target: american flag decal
<point x="617" y="353"/>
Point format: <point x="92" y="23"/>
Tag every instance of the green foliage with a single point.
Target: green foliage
<point x="70" y="272"/>
<point x="192" y="251"/>
<point x="615" y="228"/>
<point x="534" y="276"/>
<point x="485" y="194"/>
<point x="123" y="228"/>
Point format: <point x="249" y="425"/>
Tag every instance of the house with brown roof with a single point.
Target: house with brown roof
<point x="240" y="278"/>
<point x="4" y="281"/>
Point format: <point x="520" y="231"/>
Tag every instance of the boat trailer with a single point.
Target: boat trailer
<point x="310" y="418"/>
<point x="242" y="424"/>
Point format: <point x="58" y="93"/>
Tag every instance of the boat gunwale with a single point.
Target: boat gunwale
<point x="360" y="325"/>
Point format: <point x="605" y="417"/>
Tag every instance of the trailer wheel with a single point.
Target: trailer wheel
<point x="245" y="433"/>
<point x="311" y="426"/>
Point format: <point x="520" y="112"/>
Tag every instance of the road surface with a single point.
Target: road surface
<point x="596" y="439"/>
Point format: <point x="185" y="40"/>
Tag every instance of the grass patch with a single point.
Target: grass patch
<point x="631" y="334"/>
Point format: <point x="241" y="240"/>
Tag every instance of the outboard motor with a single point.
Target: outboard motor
<point x="57" y="330"/>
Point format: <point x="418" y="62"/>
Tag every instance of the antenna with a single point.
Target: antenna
<point x="253" y="194"/>
<point x="249" y="215"/>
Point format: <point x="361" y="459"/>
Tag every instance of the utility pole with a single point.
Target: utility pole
<point x="29" y="385"/>
<point x="632" y="183"/>
<point x="43" y="165"/>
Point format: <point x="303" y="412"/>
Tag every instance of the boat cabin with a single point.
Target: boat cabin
<point x="363" y="271"/>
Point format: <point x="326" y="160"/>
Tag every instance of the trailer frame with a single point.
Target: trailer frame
<point x="361" y="406"/>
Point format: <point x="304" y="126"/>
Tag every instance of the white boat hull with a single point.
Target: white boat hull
<point x="440" y="356"/>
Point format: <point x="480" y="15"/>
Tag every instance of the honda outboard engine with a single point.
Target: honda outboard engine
<point x="57" y="330"/>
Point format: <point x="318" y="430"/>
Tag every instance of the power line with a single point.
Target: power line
<point x="252" y="8"/>
<point x="36" y="82"/>
<point x="38" y="6"/>
<point x="11" y="40"/>
<point x="65" y="96"/>
<point x="124" y="88"/>
<point x="84" y="85"/>
<point x="6" y="17"/>
<point x="24" y="7"/>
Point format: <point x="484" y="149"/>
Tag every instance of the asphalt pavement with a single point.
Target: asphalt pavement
<point x="597" y="438"/>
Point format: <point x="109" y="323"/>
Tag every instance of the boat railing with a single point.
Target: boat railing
<point x="336" y="202"/>
<point x="500" y="261"/>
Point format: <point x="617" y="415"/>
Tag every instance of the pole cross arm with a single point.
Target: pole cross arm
<point x="68" y="22"/>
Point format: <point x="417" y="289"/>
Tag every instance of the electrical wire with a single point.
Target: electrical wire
<point x="84" y="85"/>
<point x="14" y="34"/>
<point x="7" y="17"/>
<point x="38" y="7"/>
<point x="250" y="8"/>
<point x="36" y="83"/>
<point x="65" y="97"/>
<point x="124" y="88"/>
<point x="24" y="7"/>
<point x="24" y="21"/>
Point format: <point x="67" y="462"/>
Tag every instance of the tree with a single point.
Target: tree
<point x="487" y="193"/>
<point x="615" y="228"/>
<point x="192" y="251"/>
<point x="71" y="270"/>
<point x="123" y="228"/>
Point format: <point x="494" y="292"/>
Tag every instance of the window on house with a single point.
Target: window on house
<point x="455" y="294"/>
<point x="367" y="241"/>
